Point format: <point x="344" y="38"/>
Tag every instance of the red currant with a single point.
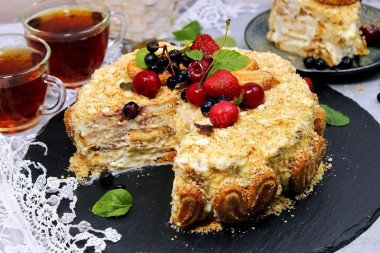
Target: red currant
<point x="195" y="94"/>
<point x="223" y="114"/>
<point x="309" y="82"/>
<point x="253" y="95"/>
<point x="146" y="83"/>
<point x="197" y="69"/>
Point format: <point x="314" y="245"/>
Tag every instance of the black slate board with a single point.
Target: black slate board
<point x="342" y="206"/>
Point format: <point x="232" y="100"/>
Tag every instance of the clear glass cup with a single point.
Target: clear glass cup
<point x="24" y="81"/>
<point x="77" y="32"/>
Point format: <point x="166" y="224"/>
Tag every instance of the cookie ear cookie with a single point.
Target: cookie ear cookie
<point x="338" y="2"/>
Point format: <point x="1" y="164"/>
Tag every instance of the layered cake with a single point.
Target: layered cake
<point x="326" y="29"/>
<point x="227" y="174"/>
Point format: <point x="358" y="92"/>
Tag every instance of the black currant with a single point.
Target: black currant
<point x="309" y="62"/>
<point x="346" y="63"/>
<point x="154" y="67"/>
<point x="183" y="95"/>
<point x="150" y="58"/>
<point x="163" y="62"/>
<point x="206" y="106"/>
<point x="171" y="82"/>
<point x="186" y="60"/>
<point x="152" y="46"/>
<point x="174" y="67"/>
<point x="378" y="97"/>
<point x="175" y="55"/>
<point x="320" y="64"/>
<point x="131" y="110"/>
<point x="182" y="75"/>
<point x="221" y="99"/>
<point x="106" y="178"/>
<point x="119" y="186"/>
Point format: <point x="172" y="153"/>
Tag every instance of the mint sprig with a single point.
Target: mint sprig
<point x="230" y="60"/>
<point x="196" y="55"/>
<point x="229" y="42"/>
<point x="140" y="58"/>
<point x="188" y="32"/>
<point x="334" y="117"/>
<point x="113" y="203"/>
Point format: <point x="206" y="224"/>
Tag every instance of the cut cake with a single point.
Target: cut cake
<point x="230" y="175"/>
<point x="327" y="29"/>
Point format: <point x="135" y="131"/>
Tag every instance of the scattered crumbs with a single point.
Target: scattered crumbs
<point x="360" y="88"/>
<point x="292" y="215"/>
<point x="292" y="58"/>
<point x="172" y="239"/>
<point x="62" y="176"/>
<point x="329" y="159"/>
<point x="187" y="245"/>
<point x="285" y="221"/>
<point x="206" y="227"/>
<point x="175" y="237"/>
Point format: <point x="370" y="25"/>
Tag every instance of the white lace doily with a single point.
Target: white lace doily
<point x="29" y="221"/>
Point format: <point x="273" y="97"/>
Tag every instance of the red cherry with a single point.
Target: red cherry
<point x="146" y="83"/>
<point x="253" y="95"/>
<point x="197" y="69"/>
<point x="195" y="94"/>
<point x="309" y="82"/>
<point x="223" y="114"/>
<point x="371" y="33"/>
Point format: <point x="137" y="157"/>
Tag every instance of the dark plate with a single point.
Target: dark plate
<point x="255" y="37"/>
<point x="341" y="207"/>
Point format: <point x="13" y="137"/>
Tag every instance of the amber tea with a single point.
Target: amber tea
<point x="20" y="99"/>
<point x="73" y="58"/>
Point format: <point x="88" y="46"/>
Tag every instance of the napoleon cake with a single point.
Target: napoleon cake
<point x="238" y="139"/>
<point x="322" y="29"/>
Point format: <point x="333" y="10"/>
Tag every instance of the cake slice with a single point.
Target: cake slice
<point x="225" y="175"/>
<point x="327" y="29"/>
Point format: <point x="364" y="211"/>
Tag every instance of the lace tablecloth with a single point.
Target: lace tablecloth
<point x="29" y="221"/>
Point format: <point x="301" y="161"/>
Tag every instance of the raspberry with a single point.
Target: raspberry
<point x="205" y="44"/>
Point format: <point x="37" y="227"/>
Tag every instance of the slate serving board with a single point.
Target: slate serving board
<point x="343" y="205"/>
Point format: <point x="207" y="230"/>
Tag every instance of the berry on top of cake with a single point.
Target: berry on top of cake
<point x="239" y="135"/>
<point x="326" y="30"/>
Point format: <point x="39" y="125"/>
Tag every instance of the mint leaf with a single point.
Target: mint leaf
<point x="230" y="42"/>
<point x="188" y="32"/>
<point x="195" y="55"/>
<point x="140" y="58"/>
<point x="239" y="99"/>
<point x="113" y="203"/>
<point x="230" y="60"/>
<point x="126" y="86"/>
<point x="335" y="118"/>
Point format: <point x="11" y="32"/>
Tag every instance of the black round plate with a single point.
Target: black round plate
<point x="257" y="29"/>
<point x="343" y="205"/>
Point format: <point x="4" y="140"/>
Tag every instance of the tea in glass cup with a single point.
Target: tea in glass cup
<point x="77" y="32"/>
<point x="24" y="82"/>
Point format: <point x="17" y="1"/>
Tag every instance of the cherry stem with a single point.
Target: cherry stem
<point x="228" y="21"/>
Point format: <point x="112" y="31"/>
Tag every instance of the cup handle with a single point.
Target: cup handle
<point x="61" y="97"/>
<point x="122" y="31"/>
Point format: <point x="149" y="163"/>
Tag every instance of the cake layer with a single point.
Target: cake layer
<point x="311" y="28"/>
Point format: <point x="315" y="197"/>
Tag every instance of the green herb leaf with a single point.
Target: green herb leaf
<point x="239" y="99"/>
<point x="188" y="32"/>
<point x="195" y="55"/>
<point x="230" y="60"/>
<point x="230" y="42"/>
<point x="126" y="86"/>
<point x="335" y="118"/>
<point x="113" y="203"/>
<point x="140" y="58"/>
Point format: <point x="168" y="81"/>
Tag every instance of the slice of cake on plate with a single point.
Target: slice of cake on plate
<point x="326" y="29"/>
<point x="228" y="174"/>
